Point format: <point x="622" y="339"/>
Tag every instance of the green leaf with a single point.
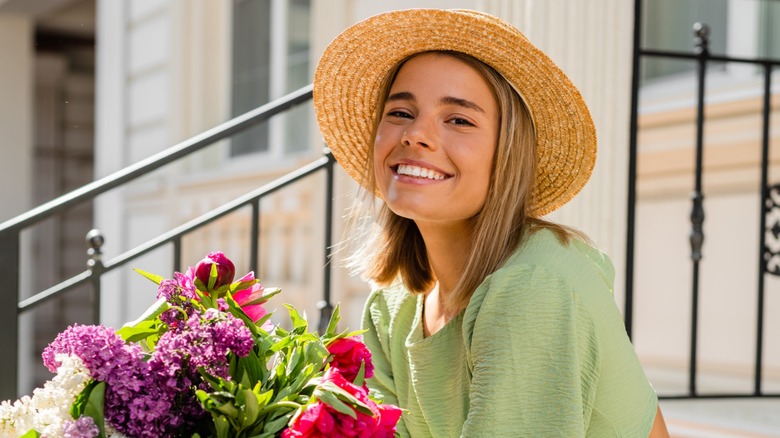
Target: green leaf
<point x="361" y="374"/>
<point x="279" y="423"/>
<point x="297" y="320"/>
<point x="264" y="398"/>
<point x="331" y="400"/>
<point x="154" y="277"/>
<point x="199" y="284"/>
<point x="140" y="331"/>
<point x="331" y="387"/>
<point x="241" y="285"/>
<point x="267" y="294"/>
<point x="151" y="313"/>
<point x="229" y="409"/>
<point x="222" y="425"/>
<point x="334" y="320"/>
<point x="89" y="403"/>
<point x="94" y="407"/>
<point x="251" y="407"/>
<point x="259" y="323"/>
<point x="213" y="274"/>
<point x="31" y="434"/>
<point x="80" y="402"/>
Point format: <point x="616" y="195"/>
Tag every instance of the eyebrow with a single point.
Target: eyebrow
<point x="447" y="100"/>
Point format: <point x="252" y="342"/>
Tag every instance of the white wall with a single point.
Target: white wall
<point x="16" y="106"/>
<point x="16" y="85"/>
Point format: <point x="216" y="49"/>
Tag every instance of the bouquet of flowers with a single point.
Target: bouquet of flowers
<point x="204" y="361"/>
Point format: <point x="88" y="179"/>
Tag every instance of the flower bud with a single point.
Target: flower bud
<point x="225" y="270"/>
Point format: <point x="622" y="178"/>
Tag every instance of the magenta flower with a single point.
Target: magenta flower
<point x="251" y="300"/>
<point x="320" y="420"/>
<point x="226" y="271"/>
<point x="348" y="355"/>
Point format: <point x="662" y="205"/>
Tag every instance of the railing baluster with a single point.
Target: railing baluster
<point x="701" y="31"/>
<point x="177" y="254"/>
<point x="9" y="314"/>
<point x="254" y="240"/>
<point x="326" y="308"/>
<point x="762" y="227"/>
<point x="95" y="266"/>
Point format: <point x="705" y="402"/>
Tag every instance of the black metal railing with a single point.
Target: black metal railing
<point x="703" y="58"/>
<point x="11" y="230"/>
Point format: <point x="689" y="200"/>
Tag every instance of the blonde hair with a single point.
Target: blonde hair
<point x="399" y="250"/>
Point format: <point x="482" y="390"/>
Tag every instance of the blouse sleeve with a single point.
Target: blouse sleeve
<point x="375" y="322"/>
<point x="534" y="358"/>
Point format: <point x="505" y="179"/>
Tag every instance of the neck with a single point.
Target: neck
<point x="447" y="246"/>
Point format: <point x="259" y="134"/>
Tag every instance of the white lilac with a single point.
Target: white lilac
<point x="49" y="407"/>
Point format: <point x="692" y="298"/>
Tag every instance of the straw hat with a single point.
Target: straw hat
<point x="349" y="74"/>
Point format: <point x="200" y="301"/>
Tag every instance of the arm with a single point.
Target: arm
<point x="659" y="426"/>
<point x="534" y="359"/>
<point x="375" y="321"/>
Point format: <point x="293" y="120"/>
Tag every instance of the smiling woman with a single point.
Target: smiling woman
<point x="486" y="320"/>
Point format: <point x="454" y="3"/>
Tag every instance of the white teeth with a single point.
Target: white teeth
<point x="421" y="172"/>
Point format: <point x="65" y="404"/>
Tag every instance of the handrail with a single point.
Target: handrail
<point x="10" y="230"/>
<point x="178" y="232"/>
<point x="158" y="160"/>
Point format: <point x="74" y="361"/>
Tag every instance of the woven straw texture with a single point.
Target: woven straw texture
<point x="348" y="77"/>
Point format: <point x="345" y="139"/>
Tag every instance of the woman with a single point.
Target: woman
<point x="487" y="320"/>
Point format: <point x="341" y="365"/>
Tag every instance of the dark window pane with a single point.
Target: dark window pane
<point x="251" y="69"/>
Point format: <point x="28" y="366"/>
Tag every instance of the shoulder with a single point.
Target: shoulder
<point x="543" y="282"/>
<point x="574" y="261"/>
<point x="385" y="305"/>
<point x="545" y="268"/>
<point x="391" y="298"/>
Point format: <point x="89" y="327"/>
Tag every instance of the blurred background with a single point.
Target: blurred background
<point x="90" y="87"/>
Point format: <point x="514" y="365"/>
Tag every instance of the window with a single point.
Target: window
<point x="668" y="25"/>
<point x="770" y="29"/>
<point x="743" y="28"/>
<point x="270" y="59"/>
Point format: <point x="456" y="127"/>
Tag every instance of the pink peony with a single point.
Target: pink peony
<point x="320" y="420"/>
<point x="226" y="271"/>
<point x="388" y="418"/>
<point x="247" y="300"/>
<point x="316" y="421"/>
<point x="348" y="355"/>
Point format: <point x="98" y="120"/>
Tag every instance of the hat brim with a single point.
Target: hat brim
<point x="349" y="75"/>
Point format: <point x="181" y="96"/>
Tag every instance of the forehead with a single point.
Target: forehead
<point x="441" y="74"/>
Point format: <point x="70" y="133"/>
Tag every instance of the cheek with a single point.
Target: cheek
<point x="382" y="148"/>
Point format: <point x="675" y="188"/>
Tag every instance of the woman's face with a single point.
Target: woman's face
<point x="435" y="143"/>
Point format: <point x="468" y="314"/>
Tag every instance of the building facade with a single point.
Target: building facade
<point x="166" y="70"/>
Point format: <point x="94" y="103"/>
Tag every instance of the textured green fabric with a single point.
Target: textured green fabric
<point x="540" y="351"/>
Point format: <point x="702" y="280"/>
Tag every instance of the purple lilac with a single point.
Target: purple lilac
<point x="204" y="341"/>
<point x="84" y="427"/>
<point x="103" y="352"/>
<point x="179" y="292"/>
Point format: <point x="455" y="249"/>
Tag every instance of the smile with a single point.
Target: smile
<point x="419" y="172"/>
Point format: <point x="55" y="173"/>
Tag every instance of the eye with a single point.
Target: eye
<point x="401" y="114"/>
<point x="460" y="121"/>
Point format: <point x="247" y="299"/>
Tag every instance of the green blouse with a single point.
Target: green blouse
<point x="540" y="351"/>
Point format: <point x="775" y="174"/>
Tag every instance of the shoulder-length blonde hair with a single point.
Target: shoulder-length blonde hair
<point x="398" y="248"/>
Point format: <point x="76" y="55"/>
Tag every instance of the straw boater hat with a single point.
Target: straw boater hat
<point x="349" y="74"/>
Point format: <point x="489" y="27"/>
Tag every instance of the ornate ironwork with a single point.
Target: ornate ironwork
<point x="772" y="230"/>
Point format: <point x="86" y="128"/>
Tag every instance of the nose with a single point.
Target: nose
<point x="419" y="133"/>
